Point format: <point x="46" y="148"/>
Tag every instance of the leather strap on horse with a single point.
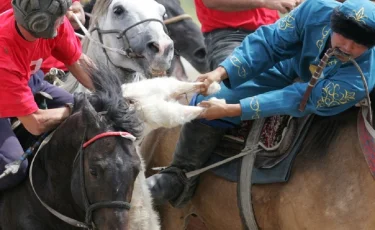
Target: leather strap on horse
<point x="89" y="207"/>
<point x="176" y="19"/>
<point x="66" y="219"/>
<point x="246" y="168"/>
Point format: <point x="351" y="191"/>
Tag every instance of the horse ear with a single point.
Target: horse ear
<point x="89" y="114"/>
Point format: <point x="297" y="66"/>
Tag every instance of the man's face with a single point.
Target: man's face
<point x="347" y="46"/>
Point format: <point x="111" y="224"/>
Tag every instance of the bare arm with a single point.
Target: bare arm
<point x="44" y="120"/>
<point x="79" y="73"/>
<point x="283" y="6"/>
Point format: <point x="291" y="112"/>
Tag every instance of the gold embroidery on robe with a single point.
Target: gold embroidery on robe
<point x="237" y="63"/>
<point x="286" y="22"/>
<point x="332" y="96"/>
<point x="320" y="42"/>
<point x="254" y="105"/>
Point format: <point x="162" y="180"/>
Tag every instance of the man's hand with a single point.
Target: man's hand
<point x="77" y="9"/>
<point x="216" y="109"/>
<point x="217" y="75"/>
<point x="283" y="6"/>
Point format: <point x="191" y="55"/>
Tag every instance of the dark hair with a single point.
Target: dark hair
<point x="108" y="97"/>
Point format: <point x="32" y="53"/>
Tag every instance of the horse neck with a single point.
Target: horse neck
<point x="327" y="131"/>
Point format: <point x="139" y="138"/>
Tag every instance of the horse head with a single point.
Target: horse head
<point x="135" y="27"/>
<point x="187" y="37"/>
<point x="97" y="144"/>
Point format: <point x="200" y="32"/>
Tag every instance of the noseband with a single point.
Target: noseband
<point x="121" y="34"/>
<point x="89" y="207"/>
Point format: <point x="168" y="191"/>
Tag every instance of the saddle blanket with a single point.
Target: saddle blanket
<point x="281" y="139"/>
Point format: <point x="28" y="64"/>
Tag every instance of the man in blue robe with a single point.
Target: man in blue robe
<point x="268" y="75"/>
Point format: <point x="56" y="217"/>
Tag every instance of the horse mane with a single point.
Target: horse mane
<point x="108" y="98"/>
<point x="100" y="8"/>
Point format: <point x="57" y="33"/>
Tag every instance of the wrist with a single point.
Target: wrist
<point x="222" y="73"/>
<point x="233" y="110"/>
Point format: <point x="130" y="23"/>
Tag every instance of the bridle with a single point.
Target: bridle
<point x="89" y="207"/>
<point x="121" y="34"/>
<point x="127" y="50"/>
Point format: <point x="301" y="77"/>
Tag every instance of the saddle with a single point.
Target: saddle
<point x="280" y="140"/>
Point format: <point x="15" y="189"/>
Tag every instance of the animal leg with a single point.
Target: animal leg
<point x="187" y="87"/>
<point x="168" y="114"/>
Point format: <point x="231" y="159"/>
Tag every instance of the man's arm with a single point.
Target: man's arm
<point x="44" y="120"/>
<point x="79" y="72"/>
<point x="283" y="6"/>
<point x="267" y="46"/>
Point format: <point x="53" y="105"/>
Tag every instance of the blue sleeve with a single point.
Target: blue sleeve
<point x="268" y="45"/>
<point x="329" y="97"/>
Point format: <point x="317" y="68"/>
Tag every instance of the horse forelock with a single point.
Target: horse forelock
<point x="100" y="8"/>
<point x="108" y="99"/>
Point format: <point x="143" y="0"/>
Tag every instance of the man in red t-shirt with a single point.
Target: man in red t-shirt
<point x="29" y="34"/>
<point x="224" y="25"/>
<point x="76" y="8"/>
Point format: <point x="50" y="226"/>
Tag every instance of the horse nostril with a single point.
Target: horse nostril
<point x="153" y="46"/>
<point x="200" y="53"/>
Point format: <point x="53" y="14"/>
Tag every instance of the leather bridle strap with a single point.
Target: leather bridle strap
<point x="178" y="18"/>
<point x="62" y="217"/>
<point x="89" y="208"/>
<point x="107" y="134"/>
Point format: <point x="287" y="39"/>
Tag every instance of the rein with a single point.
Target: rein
<point x="90" y="208"/>
<point x="177" y="18"/>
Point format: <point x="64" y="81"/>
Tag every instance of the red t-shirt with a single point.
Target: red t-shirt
<point x="50" y="61"/>
<point x="248" y="19"/>
<point x="20" y="58"/>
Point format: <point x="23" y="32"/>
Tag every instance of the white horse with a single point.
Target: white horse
<point x="130" y="37"/>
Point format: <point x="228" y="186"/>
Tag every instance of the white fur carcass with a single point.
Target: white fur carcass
<point x="156" y="100"/>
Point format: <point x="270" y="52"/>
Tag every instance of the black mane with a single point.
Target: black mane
<point x="108" y="98"/>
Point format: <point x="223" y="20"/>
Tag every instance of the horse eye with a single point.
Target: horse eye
<point x="93" y="172"/>
<point x="118" y="10"/>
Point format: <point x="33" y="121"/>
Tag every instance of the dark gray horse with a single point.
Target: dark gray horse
<point x="187" y="37"/>
<point x="87" y="169"/>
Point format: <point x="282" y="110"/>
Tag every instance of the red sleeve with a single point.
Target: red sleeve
<point x="6" y="5"/>
<point x="75" y="1"/>
<point x="67" y="47"/>
<point x="16" y="98"/>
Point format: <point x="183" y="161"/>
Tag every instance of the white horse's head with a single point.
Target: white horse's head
<point x="135" y="26"/>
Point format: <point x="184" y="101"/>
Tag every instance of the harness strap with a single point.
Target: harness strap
<point x="176" y="19"/>
<point x="62" y="217"/>
<point x="87" y="34"/>
<point x="108" y="204"/>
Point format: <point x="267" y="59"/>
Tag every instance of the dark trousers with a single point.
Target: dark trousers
<point x="220" y="44"/>
<point x="10" y="147"/>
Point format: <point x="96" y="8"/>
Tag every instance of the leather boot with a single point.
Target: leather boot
<point x="196" y="143"/>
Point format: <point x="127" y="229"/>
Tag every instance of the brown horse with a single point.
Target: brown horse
<point x="330" y="187"/>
